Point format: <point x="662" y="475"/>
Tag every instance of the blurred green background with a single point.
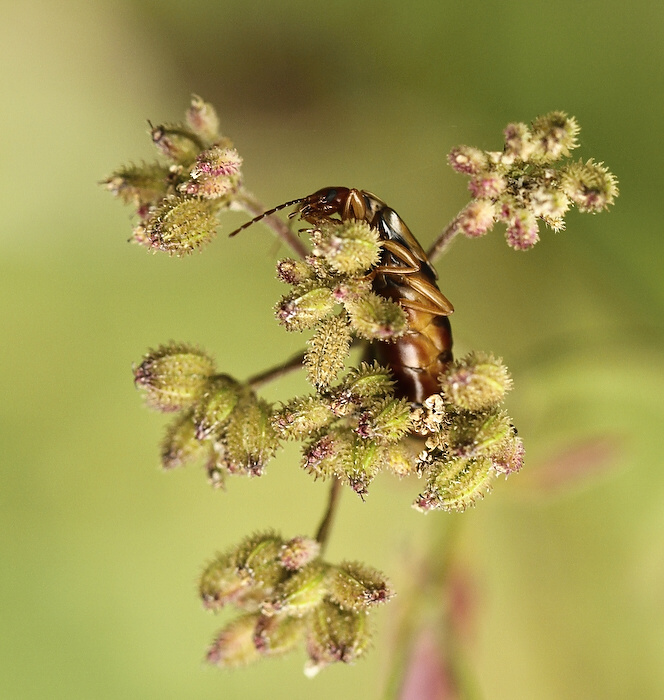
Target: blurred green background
<point x="100" y="551"/>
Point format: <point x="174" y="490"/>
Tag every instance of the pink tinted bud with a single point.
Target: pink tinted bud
<point x="522" y="232"/>
<point x="477" y="218"/>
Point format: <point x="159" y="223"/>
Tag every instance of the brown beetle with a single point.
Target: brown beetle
<point x="404" y="275"/>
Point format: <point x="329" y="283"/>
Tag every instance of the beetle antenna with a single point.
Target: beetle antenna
<point x="264" y="214"/>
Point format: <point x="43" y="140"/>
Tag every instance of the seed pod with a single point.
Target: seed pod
<point x="234" y="645"/>
<point x="350" y="247"/>
<point x="251" y="439"/>
<point x="476" y="382"/>
<point x="355" y="586"/>
<point x="178" y="226"/>
<point x="375" y="318"/>
<point x="302" y="416"/>
<point x="278" y="634"/>
<point x="387" y="421"/>
<point x="335" y="635"/>
<point x="304" y="307"/>
<point x="300" y="593"/>
<point x="174" y="376"/>
<point x="215" y="406"/>
<point x="180" y="445"/>
<point x="328" y="349"/>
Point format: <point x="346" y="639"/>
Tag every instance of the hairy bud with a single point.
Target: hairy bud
<point x="298" y="552"/>
<point x="589" y="185"/>
<point x="355" y="586"/>
<point x="176" y="142"/>
<point x="351" y="247"/>
<point x="174" y="376"/>
<point x="328" y="349"/>
<point x="376" y="318"/>
<point x="215" y="405"/>
<point x="234" y="646"/>
<point x="476" y="382"/>
<point x="299" y="594"/>
<point x="251" y="439"/>
<point x="304" y="307"/>
<point x="180" y="445"/>
<point x="202" y="119"/>
<point x="302" y="416"/>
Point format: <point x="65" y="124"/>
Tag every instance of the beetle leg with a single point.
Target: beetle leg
<point x="412" y="263"/>
<point x="354" y="207"/>
<point x="430" y="292"/>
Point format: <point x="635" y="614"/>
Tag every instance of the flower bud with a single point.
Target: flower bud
<point x="180" y="445"/>
<point x="518" y="142"/>
<point x="554" y="136"/>
<point x="278" y="634"/>
<point x="508" y="456"/>
<point x="215" y="173"/>
<point x="487" y="185"/>
<point x="477" y="218"/>
<point x="301" y="417"/>
<point x="300" y="593"/>
<point x="399" y="460"/>
<point x="355" y="586"/>
<point x="141" y="186"/>
<point x="455" y="485"/>
<point x="350" y="247"/>
<point x="328" y="349"/>
<point x="589" y="185"/>
<point x="522" y="232"/>
<point x="174" y="376"/>
<point x="222" y="583"/>
<point x="250" y="437"/>
<point x="387" y="421"/>
<point x="304" y="307"/>
<point x="374" y="317"/>
<point x="298" y="552"/>
<point x="336" y="635"/>
<point x="202" y="119"/>
<point x="178" y="226"/>
<point x="234" y="645"/>
<point x="294" y="272"/>
<point x="467" y="160"/>
<point x="476" y="382"/>
<point x="176" y="142"/>
<point x="215" y="405"/>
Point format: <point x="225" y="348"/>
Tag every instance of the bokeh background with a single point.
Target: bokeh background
<point x="100" y="551"/>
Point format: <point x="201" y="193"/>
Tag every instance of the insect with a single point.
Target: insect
<point x="403" y="275"/>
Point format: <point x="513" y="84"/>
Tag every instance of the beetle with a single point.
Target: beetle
<point x="404" y="275"/>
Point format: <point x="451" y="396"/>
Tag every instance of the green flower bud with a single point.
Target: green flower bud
<point x="222" y="582"/>
<point x="589" y="185"/>
<point x="298" y="552"/>
<point x="178" y="226"/>
<point x="141" y="186"/>
<point x="375" y="318"/>
<point x="455" y="485"/>
<point x="300" y="593"/>
<point x="304" y="307"/>
<point x="554" y="135"/>
<point x="174" y="376"/>
<point x="359" y="462"/>
<point x="355" y="586"/>
<point x="234" y="645"/>
<point x="399" y="460"/>
<point x="301" y="417"/>
<point x="251" y="439"/>
<point x="477" y="434"/>
<point x="176" y="142"/>
<point x="215" y="405"/>
<point x="278" y="634"/>
<point x="336" y="635"/>
<point x="258" y="558"/>
<point x="387" y="421"/>
<point x="518" y="142"/>
<point x="349" y="247"/>
<point x="476" y="382"/>
<point x="328" y="349"/>
<point x="202" y="119"/>
<point x="366" y="382"/>
<point x="294" y="272"/>
<point x="180" y="445"/>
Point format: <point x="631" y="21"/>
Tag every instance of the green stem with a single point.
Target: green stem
<point x="443" y="242"/>
<point x="269" y="375"/>
<point x="325" y="526"/>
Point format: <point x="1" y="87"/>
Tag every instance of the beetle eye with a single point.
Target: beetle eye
<point x="331" y="196"/>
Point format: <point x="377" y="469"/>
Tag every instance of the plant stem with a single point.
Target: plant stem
<point x="246" y="201"/>
<point x="326" y="523"/>
<point x="269" y="375"/>
<point x="442" y="243"/>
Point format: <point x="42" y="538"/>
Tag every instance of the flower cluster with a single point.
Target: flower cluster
<point x="287" y="596"/>
<point x="525" y="183"/>
<point x="177" y="200"/>
<point x="219" y="419"/>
